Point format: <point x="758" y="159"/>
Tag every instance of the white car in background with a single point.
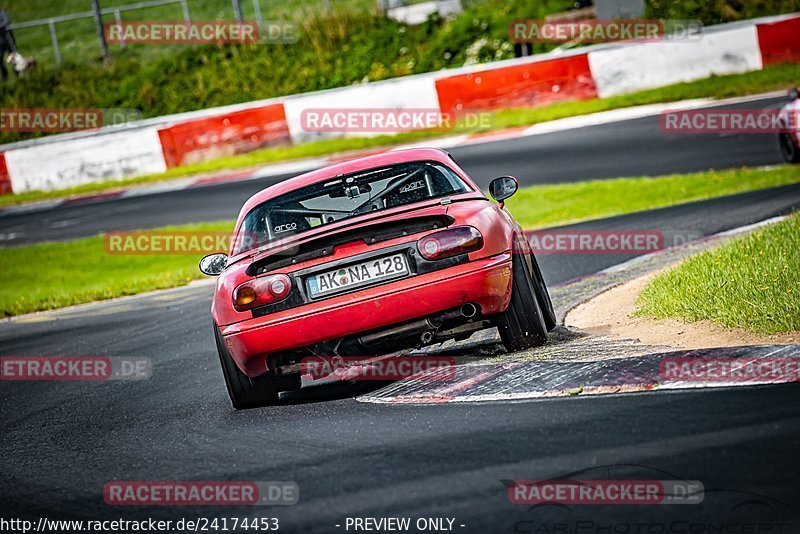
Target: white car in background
<point x="790" y="139"/>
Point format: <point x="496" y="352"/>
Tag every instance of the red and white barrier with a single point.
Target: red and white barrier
<point x="417" y="92"/>
<point x="527" y="83"/>
<point x="70" y="162"/>
<point x="5" y="179"/>
<point x="620" y="69"/>
<point x="154" y="145"/>
<point x="778" y="40"/>
<point x="224" y="135"/>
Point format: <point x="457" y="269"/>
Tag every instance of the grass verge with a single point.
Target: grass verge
<point x="770" y="78"/>
<point x="549" y="205"/>
<point x="53" y="275"/>
<point x="752" y="283"/>
<point x="81" y="271"/>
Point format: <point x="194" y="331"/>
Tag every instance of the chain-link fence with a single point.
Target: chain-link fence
<point x="67" y="31"/>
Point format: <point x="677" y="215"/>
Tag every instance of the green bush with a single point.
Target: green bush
<point x="718" y="11"/>
<point x="334" y="51"/>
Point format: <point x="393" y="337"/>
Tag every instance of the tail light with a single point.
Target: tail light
<point x="451" y="242"/>
<point x="261" y="291"/>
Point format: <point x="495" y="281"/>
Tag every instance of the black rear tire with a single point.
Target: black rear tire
<point x="245" y="392"/>
<point x="789" y="151"/>
<point x="522" y="325"/>
<point x="542" y="295"/>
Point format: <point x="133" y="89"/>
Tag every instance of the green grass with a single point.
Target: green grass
<point x="549" y="205"/>
<point x="751" y="283"/>
<point x="81" y="271"/>
<point x="53" y="275"/>
<point x="771" y="78"/>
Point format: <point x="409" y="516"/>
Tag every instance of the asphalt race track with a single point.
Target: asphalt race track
<point x="353" y="459"/>
<point x="630" y="148"/>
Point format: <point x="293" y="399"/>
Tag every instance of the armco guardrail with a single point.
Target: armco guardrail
<point x="154" y="145"/>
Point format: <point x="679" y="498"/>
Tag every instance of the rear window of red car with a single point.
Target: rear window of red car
<point x="344" y="197"/>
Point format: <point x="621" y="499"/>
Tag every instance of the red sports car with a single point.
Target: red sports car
<point x="368" y="257"/>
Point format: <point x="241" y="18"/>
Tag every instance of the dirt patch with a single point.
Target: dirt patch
<point x="610" y="314"/>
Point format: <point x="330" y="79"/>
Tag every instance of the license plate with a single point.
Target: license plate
<point x="358" y="275"/>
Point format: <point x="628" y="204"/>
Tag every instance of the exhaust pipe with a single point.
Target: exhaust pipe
<point x="425" y="328"/>
<point x="469" y="310"/>
<point x="416" y="327"/>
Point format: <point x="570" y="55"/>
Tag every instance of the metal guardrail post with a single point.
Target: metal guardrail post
<point x="185" y="9"/>
<point x="54" y="38"/>
<point x="118" y="18"/>
<point x="259" y="17"/>
<point x="98" y="20"/>
<point x="237" y="10"/>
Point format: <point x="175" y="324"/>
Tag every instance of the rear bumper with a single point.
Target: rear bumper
<point x="485" y="282"/>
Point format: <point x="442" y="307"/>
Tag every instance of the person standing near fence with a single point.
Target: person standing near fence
<point x="7" y="42"/>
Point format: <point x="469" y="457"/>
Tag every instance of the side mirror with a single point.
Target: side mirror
<point x="213" y="264"/>
<point x="793" y="94"/>
<point x="503" y="187"/>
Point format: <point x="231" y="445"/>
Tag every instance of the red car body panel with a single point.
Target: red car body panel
<point x="484" y="280"/>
